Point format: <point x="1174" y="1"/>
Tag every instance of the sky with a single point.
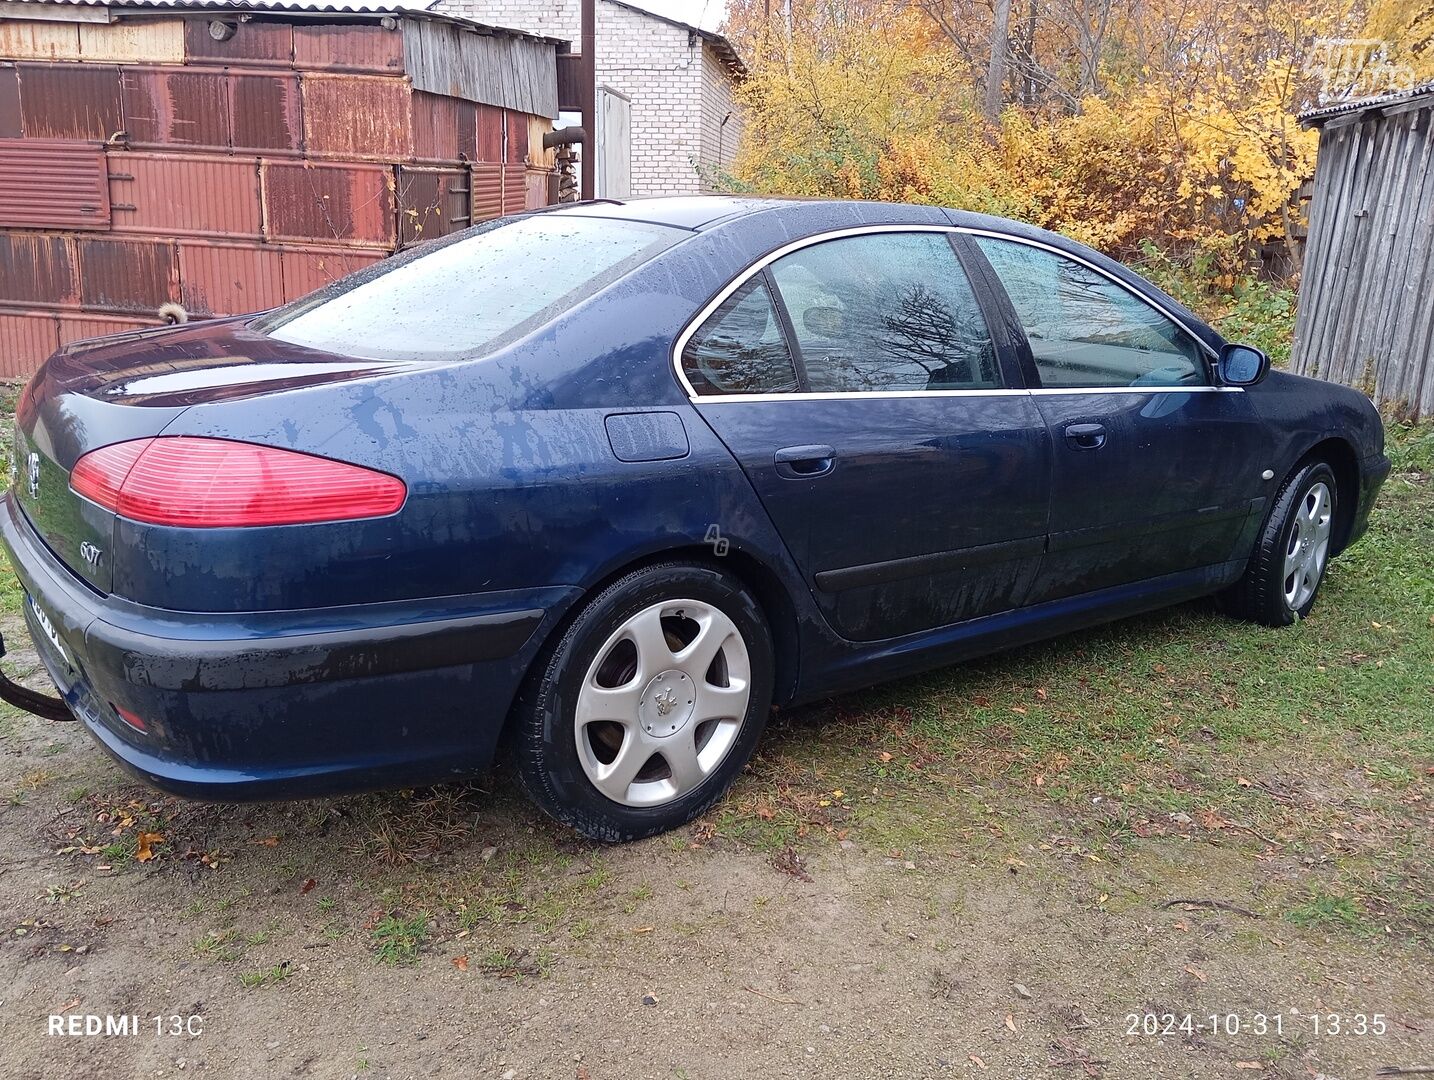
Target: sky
<point x="704" y="13"/>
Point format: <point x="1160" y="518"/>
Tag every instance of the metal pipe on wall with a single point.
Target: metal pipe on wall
<point x="588" y="97"/>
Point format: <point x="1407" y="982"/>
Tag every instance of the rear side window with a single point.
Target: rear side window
<point x="470" y="294"/>
<point x="1087" y="331"/>
<point x="741" y="349"/>
<point x="883" y="312"/>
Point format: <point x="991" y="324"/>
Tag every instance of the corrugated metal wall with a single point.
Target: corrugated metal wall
<point x="146" y="163"/>
<point x="1366" y="307"/>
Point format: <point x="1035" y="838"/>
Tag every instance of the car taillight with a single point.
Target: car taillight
<point x="197" y="482"/>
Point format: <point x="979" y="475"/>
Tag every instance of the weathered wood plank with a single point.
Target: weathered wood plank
<point x="1366" y="307"/>
<point x="492" y="69"/>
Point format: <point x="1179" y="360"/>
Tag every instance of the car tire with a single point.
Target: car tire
<point x="1292" y="552"/>
<point x="625" y="729"/>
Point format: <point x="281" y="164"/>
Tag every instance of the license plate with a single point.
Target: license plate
<point x="47" y="628"/>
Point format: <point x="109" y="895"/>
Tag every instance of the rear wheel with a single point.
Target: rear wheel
<point x="1293" y="551"/>
<point x="649" y="704"/>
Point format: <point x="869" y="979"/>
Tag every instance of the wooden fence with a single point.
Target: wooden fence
<point x="1366" y="307"/>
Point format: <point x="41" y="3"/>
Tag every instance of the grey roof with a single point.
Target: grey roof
<point x="399" y="8"/>
<point x="725" y="50"/>
<point x="1425" y="90"/>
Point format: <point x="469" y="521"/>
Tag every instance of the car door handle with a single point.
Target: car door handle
<point x="1085" y="436"/>
<point x="803" y="462"/>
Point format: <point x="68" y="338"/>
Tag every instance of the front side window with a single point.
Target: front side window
<point x="740" y="348"/>
<point x="1087" y="331"/>
<point x="883" y="312"/>
<point x="470" y="294"/>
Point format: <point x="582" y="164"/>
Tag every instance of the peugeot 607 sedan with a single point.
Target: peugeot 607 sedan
<point x="601" y="485"/>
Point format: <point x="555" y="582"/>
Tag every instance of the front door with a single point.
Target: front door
<point x="1155" y="469"/>
<point x="908" y="473"/>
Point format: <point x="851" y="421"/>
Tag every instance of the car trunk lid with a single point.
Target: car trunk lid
<point x="133" y="386"/>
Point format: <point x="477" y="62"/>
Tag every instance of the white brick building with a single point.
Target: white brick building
<point x="679" y="79"/>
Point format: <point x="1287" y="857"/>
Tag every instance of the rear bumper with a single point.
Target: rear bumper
<point x="288" y="704"/>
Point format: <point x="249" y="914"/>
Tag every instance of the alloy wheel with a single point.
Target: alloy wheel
<point x="1308" y="548"/>
<point x="662" y="702"/>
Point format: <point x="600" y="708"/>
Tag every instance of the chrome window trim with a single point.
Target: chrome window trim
<point x="865" y="395"/>
<point x="868" y="395"/>
<point x="695" y="323"/>
<point x="1078" y="390"/>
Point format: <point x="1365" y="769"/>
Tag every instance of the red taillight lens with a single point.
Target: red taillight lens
<point x="207" y="483"/>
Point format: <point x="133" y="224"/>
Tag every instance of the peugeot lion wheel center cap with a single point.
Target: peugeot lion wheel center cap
<point x="667" y="704"/>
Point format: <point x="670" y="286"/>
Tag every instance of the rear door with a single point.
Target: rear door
<point x="1155" y="469"/>
<point x="883" y="427"/>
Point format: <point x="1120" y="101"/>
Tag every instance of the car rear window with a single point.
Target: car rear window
<point x="471" y="293"/>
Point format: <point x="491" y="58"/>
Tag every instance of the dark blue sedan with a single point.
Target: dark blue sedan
<point x="603" y="484"/>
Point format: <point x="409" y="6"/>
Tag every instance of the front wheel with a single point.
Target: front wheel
<point x="1293" y="551"/>
<point x="649" y="704"/>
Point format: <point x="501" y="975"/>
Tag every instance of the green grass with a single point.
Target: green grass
<point x="272" y="976"/>
<point x="1324" y="910"/>
<point x="397" y="938"/>
<point x="221" y="946"/>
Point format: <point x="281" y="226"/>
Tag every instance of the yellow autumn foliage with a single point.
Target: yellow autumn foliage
<point x="1189" y="140"/>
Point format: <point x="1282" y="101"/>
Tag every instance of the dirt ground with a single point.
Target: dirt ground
<point x="453" y="933"/>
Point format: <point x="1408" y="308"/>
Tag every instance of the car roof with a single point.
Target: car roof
<point x="704" y="212"/>
<point x="681" y="211"/>
<point x="797" y="217"/>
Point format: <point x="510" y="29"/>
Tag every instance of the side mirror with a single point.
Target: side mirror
<point x="1242" y="365"/>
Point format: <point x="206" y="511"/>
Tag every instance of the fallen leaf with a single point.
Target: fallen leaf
<point x="1010" y="1023"/>
<point x="583" y="1073"/>
<point x="1020" y="990"/>
<point x="307" y="886"/>
<point x="461" y="962"/>
<point x="267" y="841"/>
<point x="146" y="841"/>
<point x="642" y="929"/>
<point x="1182" y="926"/>
<point x="1211" y="820"/>
<point x="1248" y="1065"/>
<point x="884" y="756"/>
<point x="1240" y="781"/>
<point x="1198" y="974"/>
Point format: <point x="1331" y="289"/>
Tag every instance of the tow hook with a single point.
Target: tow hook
<point x="41" y="705"/>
